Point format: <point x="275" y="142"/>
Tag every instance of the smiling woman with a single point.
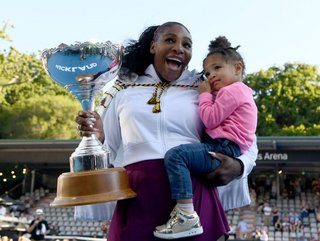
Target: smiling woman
<point x="139" y="135"/>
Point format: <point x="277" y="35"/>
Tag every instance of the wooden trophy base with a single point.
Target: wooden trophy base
<point x="93" y="186"/>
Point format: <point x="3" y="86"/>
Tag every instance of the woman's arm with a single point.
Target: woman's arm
<point x="104" y="124"/>
<point x="232" y="168"/>
<point x="109" y="134"/>
<point x="232" y="176"/>
<point x="229" y="169"/>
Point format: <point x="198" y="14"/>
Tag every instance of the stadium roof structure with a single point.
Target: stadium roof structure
<point x="291" y="152"/>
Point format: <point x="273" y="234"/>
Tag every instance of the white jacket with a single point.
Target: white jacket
<point x="129" y="120"/>
<point x="134" y="133"/>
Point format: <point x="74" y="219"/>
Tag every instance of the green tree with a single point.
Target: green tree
<point x="31" y="104"/>
<point x="16" y="68"/>
<point x="288" y="100"/>
<point x="3" y="34"/>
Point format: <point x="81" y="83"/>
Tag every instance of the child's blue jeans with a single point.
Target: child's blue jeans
<point x="184" y="159"/>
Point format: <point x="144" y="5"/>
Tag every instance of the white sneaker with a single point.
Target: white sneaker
<point x="180" y="225"/>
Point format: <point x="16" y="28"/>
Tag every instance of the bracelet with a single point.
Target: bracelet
<point x="241" y="165"/>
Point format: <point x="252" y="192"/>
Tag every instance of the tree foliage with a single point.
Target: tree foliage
<point x="35" y="111"/>
<point x="31" y="104"/>
<point x="288" y="100"/>
<point x="3" y="34"/>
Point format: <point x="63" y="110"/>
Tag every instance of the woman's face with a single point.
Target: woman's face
<point x="172" y="49"/>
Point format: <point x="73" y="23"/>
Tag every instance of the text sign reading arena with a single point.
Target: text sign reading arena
<point x="289" y="156"/>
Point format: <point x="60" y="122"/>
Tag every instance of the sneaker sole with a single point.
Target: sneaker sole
<point x="188" y="233"/>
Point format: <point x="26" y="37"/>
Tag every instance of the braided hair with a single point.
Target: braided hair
<point x="137" y="56"/>
<point x="221" y="45"/>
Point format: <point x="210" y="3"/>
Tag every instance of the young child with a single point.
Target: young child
<point x="229" y="114"/>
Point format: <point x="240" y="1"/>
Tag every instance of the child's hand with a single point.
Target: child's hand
<point x="204" y="86"/>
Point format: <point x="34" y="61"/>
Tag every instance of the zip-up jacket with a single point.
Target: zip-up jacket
<point x="133" y="133"/>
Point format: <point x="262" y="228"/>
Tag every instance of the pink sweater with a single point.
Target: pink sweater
<point x="231" y="113"/>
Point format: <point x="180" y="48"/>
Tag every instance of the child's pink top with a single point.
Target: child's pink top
<point x="230" y="113"/>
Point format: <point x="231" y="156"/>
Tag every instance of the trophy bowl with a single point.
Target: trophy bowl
<point x="84" y="69"/>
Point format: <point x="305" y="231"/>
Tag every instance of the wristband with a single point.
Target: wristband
<point x="241" y="165"/>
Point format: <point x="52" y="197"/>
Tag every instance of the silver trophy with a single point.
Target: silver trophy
<point x="84" y="69"/>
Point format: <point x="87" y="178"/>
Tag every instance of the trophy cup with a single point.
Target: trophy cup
<point x="84" y="69"/>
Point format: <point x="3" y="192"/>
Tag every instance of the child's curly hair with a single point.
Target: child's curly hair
<point x="221" y="45"/>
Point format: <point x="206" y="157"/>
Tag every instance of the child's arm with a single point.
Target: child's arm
<point x="215" y="110"/>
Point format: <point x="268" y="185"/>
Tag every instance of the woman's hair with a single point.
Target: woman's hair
<point x="137" y="56"/>
<point x="221" y="45"/>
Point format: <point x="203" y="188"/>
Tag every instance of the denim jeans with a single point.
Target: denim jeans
<point x="185" y="159"/>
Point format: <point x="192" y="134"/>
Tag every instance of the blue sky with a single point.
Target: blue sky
<point x="270" y="32"/>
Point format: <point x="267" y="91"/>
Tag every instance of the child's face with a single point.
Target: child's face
<point x="220" y="73"/>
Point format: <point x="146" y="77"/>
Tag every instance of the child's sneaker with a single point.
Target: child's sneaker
<point x="173" y="213"/>
<point x="180" y="225"/>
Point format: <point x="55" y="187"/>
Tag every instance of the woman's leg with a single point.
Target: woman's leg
<point x="136" y="218"/>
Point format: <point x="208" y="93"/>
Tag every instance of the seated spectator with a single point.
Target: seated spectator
<point x="267" y="214"/>
<point x="292" y="232"/>
<point x="5" y="238"/>
<point x="301" y="236"/>
<point x="284" y="193"/>
<point x="304" y="212"/>
<point x="242" y="229"/>
<point x="38" y="227"/>
<point x="294" y="217"/>
<point x="278" y="225"/>
<point x="300" y="233"/>
<point x="3" y="210"/>
<point x="253" y="197"/>
<point x="264" y="235"/>
<point x="233" y="230"/>
<point x="285" y="223"/>
<point x="275" y="215"/>
<point x="23" y="238"/>
<point x="256" y="234"/>
<point x="310" y="208"/>
<point x="317" y="212"/>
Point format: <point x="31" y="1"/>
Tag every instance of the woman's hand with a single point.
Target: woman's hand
<point x="89" y="122"/>
<point x="229" y="169"/>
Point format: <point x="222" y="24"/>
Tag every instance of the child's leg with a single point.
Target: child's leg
<point x="182" y="160"/>
<point x="186" y="205"/>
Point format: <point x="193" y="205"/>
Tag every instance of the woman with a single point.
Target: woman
<point x="155" y="112"/>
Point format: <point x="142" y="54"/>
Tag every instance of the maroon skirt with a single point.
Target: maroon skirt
<point x="135" y="219"/>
